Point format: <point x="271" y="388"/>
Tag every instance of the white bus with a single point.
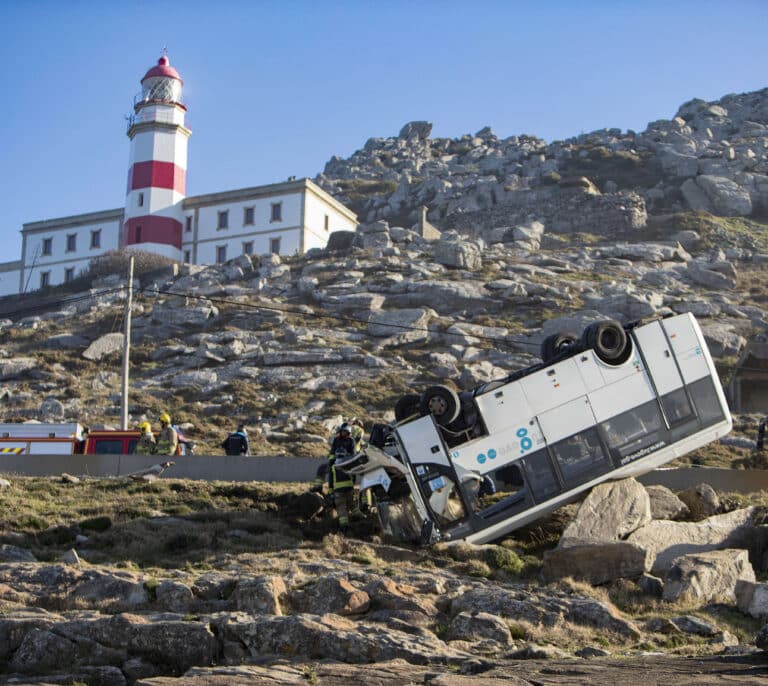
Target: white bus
<point x="615" y="402"/>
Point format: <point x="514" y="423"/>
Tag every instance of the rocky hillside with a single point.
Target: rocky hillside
<point x="116" y="581"/>
<point x="523" y="238"/>
<point x="711" y="157"/>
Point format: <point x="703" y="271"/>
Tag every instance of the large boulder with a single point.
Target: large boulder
<point x="260" y="595"/>
<point x="665" y="504"/>
<point x="16" y="367"/>
<point x="610" y="512"/>
<point x="727" y="197"/>
<point x="331" y="594"/>
<point x="665" y="541"/>
<point x="701" y="500"/>
<point x="596" y="563"/>
<point x="459" y="254"/>
<point x="406" y="325"/>
<point x="752" y="598"/>
<point x="707" y="577"/>
<point x="416" y="129"/>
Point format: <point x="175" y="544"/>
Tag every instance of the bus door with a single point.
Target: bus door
<point x="439" y="485"/>
<point x="665" y="374"/>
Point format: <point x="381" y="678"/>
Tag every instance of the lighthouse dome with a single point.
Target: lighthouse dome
<point x="164" y="69"/>
<point x="161" y="84"/>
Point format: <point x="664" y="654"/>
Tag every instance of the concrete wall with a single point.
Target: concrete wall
<point x="302" y="469"/>
<point x="202" y="467"/>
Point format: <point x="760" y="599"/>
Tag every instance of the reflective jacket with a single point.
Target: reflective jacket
<point x="167" y="441"/>
<point x="145" y="445"/>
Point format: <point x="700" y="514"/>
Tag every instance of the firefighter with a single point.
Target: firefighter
<point x="357" y="431"/>
<point x="146" y="444"/>
<point x="168" y="440"/>
<point x="341" y="486"/>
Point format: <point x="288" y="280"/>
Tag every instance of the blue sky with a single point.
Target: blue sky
<point x="276" y="88"/>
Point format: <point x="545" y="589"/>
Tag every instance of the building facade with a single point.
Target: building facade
<point x="283" y="218"/>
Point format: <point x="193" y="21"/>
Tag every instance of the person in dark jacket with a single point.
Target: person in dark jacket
<point x="237" y="442"/>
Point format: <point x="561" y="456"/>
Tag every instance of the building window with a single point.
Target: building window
<point x="96" y="238"/>
<point x="71" y="242"/>
<point x="141" y="199"/>
<point x="221" y="253"/>
<point x="47" y="246"/>
<point x="277" y="212"/>
<point x="248" y="248"/>
<point x="69" y="274"/>
<point x="188" y="226"/>
<point x="247" y="216"/>
<point x="187" y="256"/>
<point x="274" y="246"/>
<point x="45" y="279"/>
<point x="326" y="222"/>
<point x="223" y="219"/>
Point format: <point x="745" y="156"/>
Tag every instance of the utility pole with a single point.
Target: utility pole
<point x="126" y="350"/>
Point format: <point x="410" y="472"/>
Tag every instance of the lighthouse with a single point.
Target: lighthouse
<point x="157" y="171"/>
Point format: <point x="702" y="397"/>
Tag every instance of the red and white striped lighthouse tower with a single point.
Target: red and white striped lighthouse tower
<point x="157" y="177"/>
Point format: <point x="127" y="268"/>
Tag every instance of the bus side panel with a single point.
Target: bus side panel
<point x="566" y="420"/>
<point x="553" y="386"/>
<point x="498" y="449"/>
<point x="600" y="373"/>
<point x="504" y="407"/>
<point x="617" y="398"/>
<point x="658" y="357"/>
<point x="682" y="332"/>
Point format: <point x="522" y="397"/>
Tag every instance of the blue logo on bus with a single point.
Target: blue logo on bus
<point x="481" y="458"/>
<point x="525" y="440"/>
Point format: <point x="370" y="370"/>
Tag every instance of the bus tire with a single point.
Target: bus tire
<point x="609" y="340"/>
<point x="407" y="406"/>
<point x="557" y="343"/>
<point x="442" y="403"/>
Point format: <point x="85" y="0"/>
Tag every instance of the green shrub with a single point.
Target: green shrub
<point x="505" y="559"/>
<point x="117" y="262"/>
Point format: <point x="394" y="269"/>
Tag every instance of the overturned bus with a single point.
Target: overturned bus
<point x="614" y="402"/>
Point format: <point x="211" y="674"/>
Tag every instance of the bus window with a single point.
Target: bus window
<point x="707" y="403"/>
<point x="511" y="495"/>
<point x="676" y="407"/>
<point x="540" y="475"/>
<point x="581" y="457"/>
<point x="630" y="434"/>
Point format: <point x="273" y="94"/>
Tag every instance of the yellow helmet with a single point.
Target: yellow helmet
<point x="165" y="418"/>
<point x="145" y="427"/>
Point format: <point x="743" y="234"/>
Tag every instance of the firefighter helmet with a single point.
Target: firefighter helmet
<point x="165" y="418"/>
<point x="145" y="427"/>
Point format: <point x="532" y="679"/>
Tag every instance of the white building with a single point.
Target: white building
<point x="284" y="218"/>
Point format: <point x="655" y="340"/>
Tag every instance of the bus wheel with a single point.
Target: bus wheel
<point x="441" y="402"/>
<point x="555" y="344"/>
<point x="407" y="406"/>
<point x="609" y="341"/>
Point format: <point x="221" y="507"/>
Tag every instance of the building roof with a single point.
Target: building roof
<point x="162" y="68"/>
